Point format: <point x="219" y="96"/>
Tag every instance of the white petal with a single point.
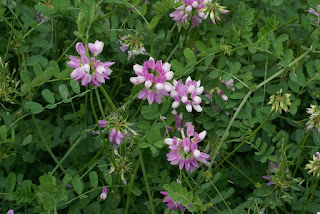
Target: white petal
<point x="202" y="135"/>
<point x="169" y="141"/>
<point x="199" y="90"/>
<point x="197" y="99"/>
<point x="148" y="84"/>
<point x="169" y="75"/>
<point x="191" y="88"/>
<point x="196" y="153"/>
<point x="197" y="108"/>
<point x="159" y="86"/>
<point x="175" y="104"/>
<point x="184" y="99"/>
<point x="166" y="67"/>
<point x="189" y="108"/>
<point x="138" y="69"/>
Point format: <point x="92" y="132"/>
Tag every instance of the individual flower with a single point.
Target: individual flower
<point x="69" y="186"/>
<point x="280" y="102"/>
<point x="115" y="137"/>
<point x="154" y="75"/>
<point x="316" y="13"/>
<point x="271" y="169"/>
<point x="102" y="123"/>
<point x="10" y="212"/>
<point x="229" y="84"/>
<point x="89" y="71"/>
<point x="314" y="118"/>
<point x="213" y="10"/>
<point x="279" y="176"/>
<point x="188" y="94"/>
<point x="104" y="193"/>
<point x="171" y="203"/>
<point x="179" y="123"/>
<point x="314" y="165"/>
<point x="132" y="45"/>
<point x="185" y="151"/>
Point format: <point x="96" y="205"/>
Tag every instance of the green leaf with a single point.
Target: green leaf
<point x="75" y="86"/>
<point x="27" y="140"/>
<point x="10" y="182"/>
<point x="153" y="135"/>
<point x="48" y="96"/>
<point x="136" y="191"/>
<point x="150" y="112"/>
<point x="63" y="89"/>
<point x="3" y="132"/>
<point x="35" y="107"/>
<point x="93" y="178"/>
<point x="214" y="74"/>
<point x="191" y="58"/>
<point x="77" y="184"/>
<point x="177" y="67"/>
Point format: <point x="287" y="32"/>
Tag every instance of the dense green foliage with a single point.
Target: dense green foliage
<point x="52" y="162"/>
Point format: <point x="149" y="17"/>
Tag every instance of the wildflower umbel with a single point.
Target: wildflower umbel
<point x="132" y="45"/>
<point x="187" y="94"/>
<point x="314" y="165"/>
<point x="314" y="119"/>
<point x="271" y="169"/>
<point x="280" y="102"/>
<point x="316" y="13"/>
<point x="185" y="151"/>
<point x="104" y="193"/>
<point x="213" y="10"/>
<point x="197" y="11"/>
<point x="89" y="71"/>
<point x="154" y="75"/>
<point x="171" y="203"/>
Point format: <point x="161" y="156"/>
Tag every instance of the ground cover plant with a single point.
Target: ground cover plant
<point x="171" y="106"/>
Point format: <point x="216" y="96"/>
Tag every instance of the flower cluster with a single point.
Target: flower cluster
<point x="154" y="75"/>
<point x="10" y="212"/>
<point x="185" y="151"/>
<point x="132" y="45"/>
<point x="188" y="94"/>
<point x="314" y="119"/>
<point x="89" y="70"/>
<point x="314" y="165"/>
<point x="280" y="102"/>
<point x="198" y="10"/>
<point x="172" y="204"/>
<point x="271" y="169"/>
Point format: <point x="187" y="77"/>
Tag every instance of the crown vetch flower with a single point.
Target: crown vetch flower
<point x="314" y="119"/>
<point x="171" y="203"/>
<point x="133" y="45"/>
<point x="189" y="8"/>
<point x="187" y="94"/>
<point x="280" y="102"/>
<point x="316" y="13"/>
<point x="314" y="165"/>
<point x="10" y="212"/>
<point x="115" y="137"/>
<point x="271" y="169"/>
<point x="89" y="71"/>
<point x="154" y="75"/>
<point x="185" y="151"/>
<point x="102" y="123"/>
<point x="104" y="193"/>
<point x="213" y="10"/>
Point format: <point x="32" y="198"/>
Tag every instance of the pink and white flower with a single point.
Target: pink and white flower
<point x="89" y="71"/>
<point x="104" y="193"/>
<point x="185" y="152"/>
<point x="115" y="137"/>
<point x="154" y="75"/>
<point x="188" y="94"/>
<point x="172" y="204"/>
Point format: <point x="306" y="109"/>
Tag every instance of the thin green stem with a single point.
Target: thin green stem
<point x="298" y="160"/>
<point x="214" y="186"/>
<point x="40" y="133"/>
<point x="99" y="104"/>
<point x="242" y="173"/>
<point x="132" y="180"/>
<point x="67" y="154"/>
<point x="314" y="190"/>
<point x="145" y="177"/>
<point x="243" y="142"/>
<point x="106" y="95"/>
